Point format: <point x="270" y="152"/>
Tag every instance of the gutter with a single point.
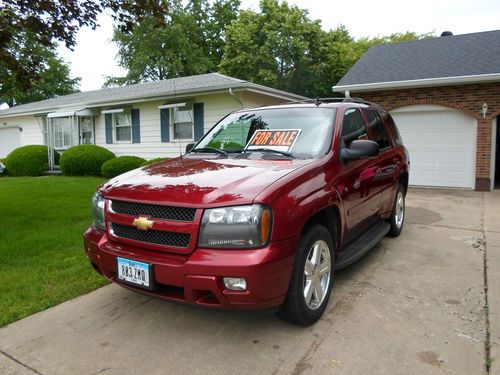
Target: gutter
<point x="415" y="83"/>
<point x="235" y="97"/>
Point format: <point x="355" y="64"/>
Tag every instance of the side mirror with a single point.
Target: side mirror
<point x="189" y="147"/>
<point x="362" y="149"/>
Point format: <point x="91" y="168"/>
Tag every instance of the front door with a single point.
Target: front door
<point x="86" y="130"/>
<point x="360" y="193"/>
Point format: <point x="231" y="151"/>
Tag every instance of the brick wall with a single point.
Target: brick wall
<point x="466" y="98"/>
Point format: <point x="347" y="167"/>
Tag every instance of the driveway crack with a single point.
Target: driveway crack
<point x="20" y="363"/>
<point x="487" y="340"/>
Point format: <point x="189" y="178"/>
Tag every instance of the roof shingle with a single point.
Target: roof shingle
<point x="165" y="88"/>
<point x="447" y="56"/>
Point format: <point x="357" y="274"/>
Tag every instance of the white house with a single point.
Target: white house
<point x="149" y="120"/>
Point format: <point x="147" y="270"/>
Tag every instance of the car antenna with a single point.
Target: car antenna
<point x="317" y="103"/>
<point x="175" y="113"/>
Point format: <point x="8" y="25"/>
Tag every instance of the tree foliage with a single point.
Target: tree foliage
<point x="52" y="21"/>
<point x="53" y="75"/>
<point x="191" y="41"/>
<point x="281" y="47"/>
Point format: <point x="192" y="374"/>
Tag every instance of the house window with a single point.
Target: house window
<point x="62" y="132"/>
<point x="182" y="123"/>
<point x="122" y="127"/>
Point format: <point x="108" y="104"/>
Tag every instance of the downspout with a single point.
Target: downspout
<point x="235" y="97"/>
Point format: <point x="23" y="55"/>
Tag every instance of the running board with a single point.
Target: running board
<point x="364" y="243"/>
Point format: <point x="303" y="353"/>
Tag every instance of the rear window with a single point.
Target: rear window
<point x="376" y="130"/>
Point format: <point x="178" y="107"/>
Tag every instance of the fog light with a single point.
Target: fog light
<point x="235" y="283"/>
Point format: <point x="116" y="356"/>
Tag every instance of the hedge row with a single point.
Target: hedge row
<point x="83" y="160"/>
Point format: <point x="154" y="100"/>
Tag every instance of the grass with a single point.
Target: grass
<point x="42" y="263"/>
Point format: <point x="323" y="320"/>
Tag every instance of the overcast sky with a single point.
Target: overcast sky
<point x="94" y="55"/>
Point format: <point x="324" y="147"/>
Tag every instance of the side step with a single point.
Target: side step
<point x="364" y="243"/>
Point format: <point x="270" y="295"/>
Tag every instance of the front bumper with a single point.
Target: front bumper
<point x="196" y="278"/>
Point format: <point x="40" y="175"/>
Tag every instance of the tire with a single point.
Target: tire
<point x="299" y="309"/>
<point x="398" y="213"/>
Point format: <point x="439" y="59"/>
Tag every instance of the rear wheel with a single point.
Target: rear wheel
<point x="398" y="213"/>
<point x="311" y="281"/>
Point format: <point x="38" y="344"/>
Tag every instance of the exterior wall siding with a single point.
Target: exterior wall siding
<point x="466" y="98"/>
<point x="216" y="106"/>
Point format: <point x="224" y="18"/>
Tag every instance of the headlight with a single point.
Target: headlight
<point x="98" y="210"/>
<point x="235" y="227"/>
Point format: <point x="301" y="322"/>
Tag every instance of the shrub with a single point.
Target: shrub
<point x="31" y="160"/>
<point x="84" y="160"/>
<point x="151" y="161"/>
<point x="119" y="165"/>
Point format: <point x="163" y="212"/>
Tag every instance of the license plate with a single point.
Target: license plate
<point x="134" y="272"/>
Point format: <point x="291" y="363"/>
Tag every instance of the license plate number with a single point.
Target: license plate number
<point x="134" y="272"/>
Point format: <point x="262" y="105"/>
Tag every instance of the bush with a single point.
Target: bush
<point x="31" y="160"/>
<point x="84" y="160"/>
<point x="155" y="160"/>
<point x="119" y="165"/>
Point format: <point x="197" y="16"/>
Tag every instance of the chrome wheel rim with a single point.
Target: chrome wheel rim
<point x="400" y="209"/>
<point x="317" y="274"/>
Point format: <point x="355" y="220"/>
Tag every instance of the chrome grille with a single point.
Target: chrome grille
<point x="156" y="237"/>
<point x="153" y="210"/>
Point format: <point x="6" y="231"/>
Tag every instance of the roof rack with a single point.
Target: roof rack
<point x="319" y="101"/>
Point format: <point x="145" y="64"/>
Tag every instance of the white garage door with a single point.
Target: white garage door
<point x="10" y="138"/>
<point x="442" y="145"/>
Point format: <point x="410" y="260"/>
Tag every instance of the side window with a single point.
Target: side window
<point x="376" y="129"/>
<point x="353" y="127"/>
<point x="393" y="130"/>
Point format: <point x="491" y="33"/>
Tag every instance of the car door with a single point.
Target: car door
<point x="383" y="181"/>
<point x="362" y="201"/>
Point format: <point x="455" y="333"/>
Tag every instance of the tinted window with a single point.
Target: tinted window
<point x="393" y="130"/>
<point x="376" y="130"/>
<point x="353" y="127"/>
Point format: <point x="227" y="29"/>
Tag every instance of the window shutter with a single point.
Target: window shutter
<point x="136" y="127"/>
<point x="165" y="124"/>
<point x="198" y="121"/>
<point x="108" y="121"/>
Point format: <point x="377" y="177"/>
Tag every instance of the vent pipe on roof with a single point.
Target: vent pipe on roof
<point x="446" y="33"/>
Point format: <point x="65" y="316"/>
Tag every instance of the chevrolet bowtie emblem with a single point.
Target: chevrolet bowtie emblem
<point x="142" y="223"/>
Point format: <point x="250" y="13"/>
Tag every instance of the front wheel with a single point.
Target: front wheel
<point x="398" y="213"/>
<point x="311" y="281"/>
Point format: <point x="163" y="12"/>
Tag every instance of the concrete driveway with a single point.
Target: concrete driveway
<point x="413" y="305"/>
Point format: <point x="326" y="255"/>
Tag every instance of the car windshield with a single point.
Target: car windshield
<point x="299" y="131"/>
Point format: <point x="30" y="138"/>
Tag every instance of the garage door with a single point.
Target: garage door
<point x="10" y="138"/>
<point x="442" y="145"/>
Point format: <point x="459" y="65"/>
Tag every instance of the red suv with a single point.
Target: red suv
<point x="260" y="212"/>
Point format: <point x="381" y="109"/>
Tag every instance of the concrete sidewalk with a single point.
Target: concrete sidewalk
<point x="413" y="305"/>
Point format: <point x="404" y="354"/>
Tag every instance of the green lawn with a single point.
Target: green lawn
<point x="42" y="263"/>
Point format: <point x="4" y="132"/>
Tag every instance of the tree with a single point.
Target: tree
<point x="279" y="47"/>
<point x="190" y="42"/>
<point x="283" y="48"/>
<point x="53" y="76"/>
<point x="50" y="21"/>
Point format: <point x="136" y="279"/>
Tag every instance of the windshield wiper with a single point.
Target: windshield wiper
<point x="209" y="149"/>
<point x="271" y="150"/>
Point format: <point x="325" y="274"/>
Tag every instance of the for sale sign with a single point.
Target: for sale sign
<point x="275" y="139"/>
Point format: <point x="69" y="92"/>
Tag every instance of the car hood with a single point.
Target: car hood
<point x="194" y="181"/>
